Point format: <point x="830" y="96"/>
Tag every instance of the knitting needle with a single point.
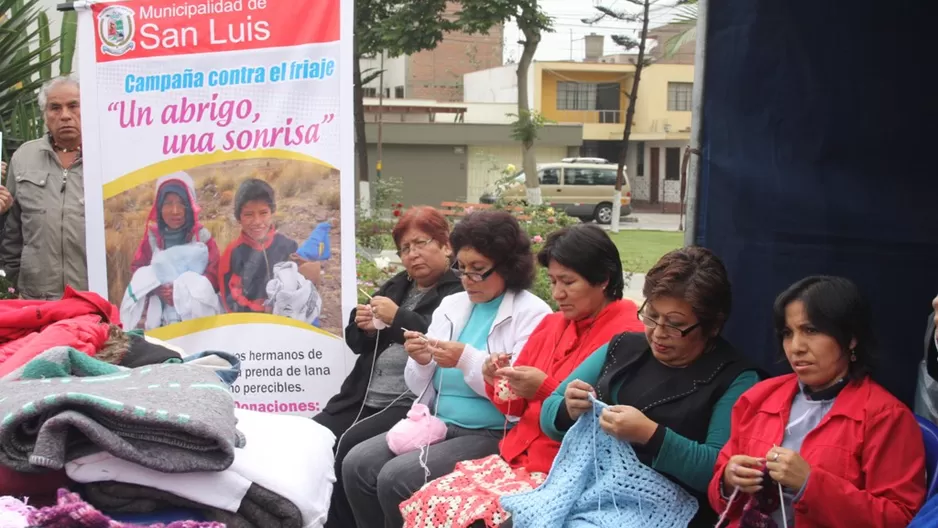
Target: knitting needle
<point x="421" y="336"/>
<point x="363" y="292"/>
<point x="425" y="340"/>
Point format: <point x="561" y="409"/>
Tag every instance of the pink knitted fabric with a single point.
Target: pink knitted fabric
<point x="469" y="494"/>
<point x="72" y="512"/>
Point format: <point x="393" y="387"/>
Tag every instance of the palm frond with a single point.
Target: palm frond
<point x="27" y="53"/>
<point x="687" y="17"/>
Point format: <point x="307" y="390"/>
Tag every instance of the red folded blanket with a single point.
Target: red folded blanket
<point x="19" y="317"/>
<point x="80" y="320"/>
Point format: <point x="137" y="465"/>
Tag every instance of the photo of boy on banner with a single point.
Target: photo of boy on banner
<point x="211" y="244"/>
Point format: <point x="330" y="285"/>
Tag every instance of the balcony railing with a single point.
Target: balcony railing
<point x="591" y="116"/>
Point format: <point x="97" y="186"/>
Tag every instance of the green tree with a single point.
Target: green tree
<point x="397" y="28"/>
<point x="26" y="57"/>
<point x="641" y="61"/>
<point x="405" y="27"/>
<point x="480" y="16"/>
<point x="27" y="53"/>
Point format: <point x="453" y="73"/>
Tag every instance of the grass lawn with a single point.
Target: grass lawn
<point x="639" y="250"/>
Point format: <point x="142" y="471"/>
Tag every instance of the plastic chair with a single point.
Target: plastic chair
<point x="930" y="437"/>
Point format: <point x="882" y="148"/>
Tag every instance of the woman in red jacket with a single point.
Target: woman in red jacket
<point x="586" y="278"/>
<point x="826" y="446"/>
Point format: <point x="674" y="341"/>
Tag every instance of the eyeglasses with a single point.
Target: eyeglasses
<point x="474" y="276"/>
<point x="417" y="245"/>
<point x="670" y="329"/>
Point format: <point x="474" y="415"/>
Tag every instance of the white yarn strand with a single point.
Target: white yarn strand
<point x="361" y="409"/>
<point x="425" y="449"/>
<point x="726" y="511"/>
<point x="781" y="503"/>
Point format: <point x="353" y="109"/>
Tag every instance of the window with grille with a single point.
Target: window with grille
<point x="399" y="92"/>
<point x="680" y="95"/>
<point x="576" y="96"/>
<point x="369" y="92"/>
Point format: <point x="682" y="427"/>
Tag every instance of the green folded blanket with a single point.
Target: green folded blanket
<point x="61" y="362"/>
<point x="173" y="418"/>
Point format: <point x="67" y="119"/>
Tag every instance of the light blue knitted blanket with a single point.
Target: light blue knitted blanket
<point x="598" y="481"/>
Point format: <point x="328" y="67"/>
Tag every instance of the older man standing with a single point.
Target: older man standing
<point x="43" y="245"/>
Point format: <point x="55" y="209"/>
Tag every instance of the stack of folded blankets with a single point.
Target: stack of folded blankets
<point x="153" y="435"/>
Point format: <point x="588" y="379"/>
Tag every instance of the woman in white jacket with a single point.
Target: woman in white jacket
<point x="494" y="315"/>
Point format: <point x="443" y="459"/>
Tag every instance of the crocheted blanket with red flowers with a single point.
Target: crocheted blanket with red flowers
<point x="469" y="494"/>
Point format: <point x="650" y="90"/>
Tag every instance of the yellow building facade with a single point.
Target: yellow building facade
<point x="595" y="94"/>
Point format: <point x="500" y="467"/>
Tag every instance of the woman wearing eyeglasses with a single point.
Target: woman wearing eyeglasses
<point x="672" y="389"/>
<point x="494" y="315"/>
<point x="374" y="396"/>
<point x="585" y="272"/>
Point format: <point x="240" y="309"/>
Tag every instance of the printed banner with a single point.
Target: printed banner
<point x="219" y="181"/>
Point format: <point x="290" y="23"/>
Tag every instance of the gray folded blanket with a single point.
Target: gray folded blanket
<point x="173" y="418"/>
<point x="260" y="508"/>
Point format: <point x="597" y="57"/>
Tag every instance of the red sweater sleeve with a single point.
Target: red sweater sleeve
<point x="143" y="255"/>
<point x="211" y="271"/>
<point x="732" y="447"/>
<point x="894" y="467"/>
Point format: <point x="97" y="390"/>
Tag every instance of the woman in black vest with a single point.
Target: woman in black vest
<point x="374" y="396"/>
<point x="672" y="389"/>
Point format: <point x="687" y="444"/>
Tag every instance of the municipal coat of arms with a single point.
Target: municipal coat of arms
<point x="116" y="30"/>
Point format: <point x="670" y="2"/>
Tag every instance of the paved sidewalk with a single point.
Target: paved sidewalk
<point x="650" y="222"/>
<point x="633" y="288"/>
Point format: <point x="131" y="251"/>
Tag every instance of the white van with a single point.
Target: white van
<point x="583" y="190"/>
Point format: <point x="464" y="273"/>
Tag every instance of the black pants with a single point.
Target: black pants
<point x="481" y="524"/>
<point x="372" y="423"/>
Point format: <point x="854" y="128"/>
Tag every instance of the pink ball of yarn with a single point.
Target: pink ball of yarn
<point x="14" y="513"/>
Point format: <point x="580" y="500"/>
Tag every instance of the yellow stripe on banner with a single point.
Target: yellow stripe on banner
<point x="202" y="324"/>
<point x="190" y="161"/>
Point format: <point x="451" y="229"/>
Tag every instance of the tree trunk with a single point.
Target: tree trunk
<point x="629" y="117"/>
<point x="532" y="38"/>
<point x="361" y="141"/>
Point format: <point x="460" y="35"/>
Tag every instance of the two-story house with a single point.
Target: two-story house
<point x="595" y="93"/>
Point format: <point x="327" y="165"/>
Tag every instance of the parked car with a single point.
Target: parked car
<point x="582" y="190"/>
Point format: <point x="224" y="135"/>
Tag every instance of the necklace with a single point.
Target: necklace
<point x="64" y="149"/>
<point x="58" y="148"/>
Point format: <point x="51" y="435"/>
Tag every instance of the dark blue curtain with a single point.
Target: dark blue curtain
<point x="820" y="142"/>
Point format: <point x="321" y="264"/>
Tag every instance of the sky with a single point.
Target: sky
<point x="569" y="29"/>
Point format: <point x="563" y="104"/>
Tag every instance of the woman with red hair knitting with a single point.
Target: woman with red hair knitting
<point x="586" y="278"/>
<point x="374" y="396"/>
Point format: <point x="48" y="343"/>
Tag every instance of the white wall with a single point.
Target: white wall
<point x="486" y="164"/>
<point x="491" y="113"/>
<point x="395" y="72"/>
<point x="494" y="85"/>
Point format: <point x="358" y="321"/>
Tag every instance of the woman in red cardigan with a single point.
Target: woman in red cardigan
<point x="826" y="446"/>
<point x="586" y="278"/>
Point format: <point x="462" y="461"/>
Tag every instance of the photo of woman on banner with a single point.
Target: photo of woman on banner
<point x="175" y="268"/>
<point x="260" y="271"/>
